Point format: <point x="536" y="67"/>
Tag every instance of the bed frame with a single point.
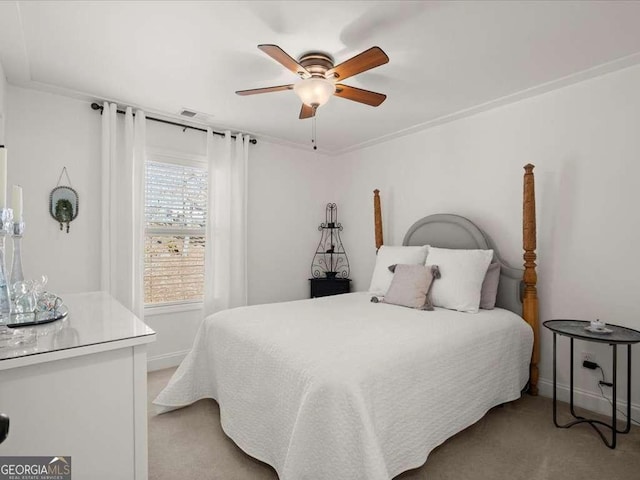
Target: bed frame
<point x="517" y="288"/>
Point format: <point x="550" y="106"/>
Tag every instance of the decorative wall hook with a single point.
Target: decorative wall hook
<point x="63" y="202"/>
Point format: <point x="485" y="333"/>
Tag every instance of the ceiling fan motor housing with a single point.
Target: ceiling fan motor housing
<point x="316" y="63"/>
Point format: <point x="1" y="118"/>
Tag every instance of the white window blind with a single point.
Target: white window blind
<point x="175" y="214"/>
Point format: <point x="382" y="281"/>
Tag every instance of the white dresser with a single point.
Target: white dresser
<point x="80" y="390"/>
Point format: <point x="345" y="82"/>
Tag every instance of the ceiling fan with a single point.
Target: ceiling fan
<point x="319" y="77"/>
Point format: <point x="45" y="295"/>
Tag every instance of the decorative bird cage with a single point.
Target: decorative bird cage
<point x="330" y="260"/>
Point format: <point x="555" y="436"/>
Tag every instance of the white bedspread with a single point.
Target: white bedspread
<point x="341" y="388"/>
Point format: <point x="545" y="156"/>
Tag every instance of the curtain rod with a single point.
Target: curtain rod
<point x="95" y="106"/>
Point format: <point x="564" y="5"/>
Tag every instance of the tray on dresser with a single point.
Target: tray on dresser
<point x="37" y="318"/>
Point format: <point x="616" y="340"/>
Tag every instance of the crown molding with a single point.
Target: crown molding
<point x="574" y="78"/>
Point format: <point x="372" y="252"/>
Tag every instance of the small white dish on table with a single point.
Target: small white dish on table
<point x="597" y="326"/>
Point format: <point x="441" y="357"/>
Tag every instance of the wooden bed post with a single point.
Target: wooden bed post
<point x="377" y="218"/>
<point x="530" y="297"/>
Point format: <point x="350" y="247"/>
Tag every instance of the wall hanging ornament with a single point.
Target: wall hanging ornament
<point x="330" y="260"/>
<point x="63" y="202"/>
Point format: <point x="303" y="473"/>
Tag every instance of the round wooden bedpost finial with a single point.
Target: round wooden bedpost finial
<point x="377" y="218"/>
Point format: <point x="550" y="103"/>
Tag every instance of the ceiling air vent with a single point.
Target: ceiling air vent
<point x="195" y="115"/>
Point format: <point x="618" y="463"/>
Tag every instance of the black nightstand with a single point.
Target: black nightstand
<point x="614" y="335"/>
<point x="323" y="287"/>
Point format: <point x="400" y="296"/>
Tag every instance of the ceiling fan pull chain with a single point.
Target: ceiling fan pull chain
<point x="313" y="133"/>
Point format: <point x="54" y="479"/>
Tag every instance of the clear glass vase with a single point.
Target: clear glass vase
<point x="8" y="336"/>
<point x="16" y="266"/>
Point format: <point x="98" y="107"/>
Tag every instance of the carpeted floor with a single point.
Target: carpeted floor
<point x="513" y="442"/>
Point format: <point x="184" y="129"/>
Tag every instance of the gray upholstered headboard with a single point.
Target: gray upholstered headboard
<point x="454" y="231"/>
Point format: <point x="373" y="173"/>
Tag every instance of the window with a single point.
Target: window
<point x="175" y="215"/>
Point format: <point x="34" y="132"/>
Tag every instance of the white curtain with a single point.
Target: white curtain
<point x="226" y="242"/>
<point x="123" y="156"/>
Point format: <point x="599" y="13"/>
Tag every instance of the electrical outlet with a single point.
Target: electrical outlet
<point x="588" y="357"/>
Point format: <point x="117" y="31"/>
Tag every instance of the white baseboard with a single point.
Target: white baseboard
<point x="592" y="401"/>
<point x="166" y="360"/>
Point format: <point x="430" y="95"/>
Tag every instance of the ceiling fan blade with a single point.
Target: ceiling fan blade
<point x="359" y="95"/>
<point x="254" y="91"/>
<point x="284" y="59"/>
<point x="307" y="111"/>
<point x="374" y="57"/>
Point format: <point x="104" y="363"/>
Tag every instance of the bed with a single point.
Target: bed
<point x="342" y="388"/>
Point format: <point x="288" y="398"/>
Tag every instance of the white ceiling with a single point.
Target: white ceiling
<point x="447" y="58"/>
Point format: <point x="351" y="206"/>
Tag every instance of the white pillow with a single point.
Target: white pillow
<point x="389" y="256"/>
<point x="461" y="275"/>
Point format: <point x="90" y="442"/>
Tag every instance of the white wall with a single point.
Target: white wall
<point x="288" y="191"/>
<point x="45" y="133"/>
<point x="585" y="144"/>
<point x="3" y="96"/>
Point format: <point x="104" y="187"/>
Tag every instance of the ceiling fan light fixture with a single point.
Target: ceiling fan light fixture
<point x="314" y="91"/>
